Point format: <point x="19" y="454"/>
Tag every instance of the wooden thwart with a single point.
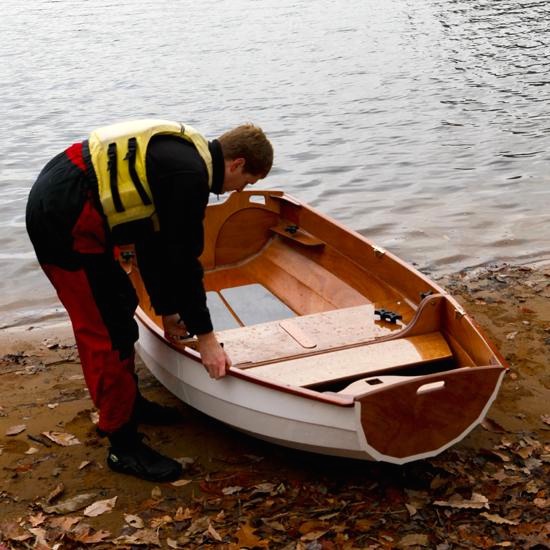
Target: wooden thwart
<point x="357" y="361"/>
<point x="300" y="335"/>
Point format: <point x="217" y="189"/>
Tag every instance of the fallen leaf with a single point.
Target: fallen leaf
<point x="14" y="430"/>
<point x="213" y="533"/>
<point x="532" y="487"/>
<point x="199" y="525"/>
<point x="40" y="534"/>
<point x="12" y="531"/>
<point x="37" y="520"/>
<point x="31" y="451"/>
<point x="185" y="460"/>
<point x="498" y="519"/>
<point x="100" y="507"/>
<point x="57" y="490"/>
<point x="133" y="521"/>
<point x="264" y="488"/>
<point x="182" y="515"/>
<point x="511" y="335"/>
<point x="502" y="456"/>
<point x="309" y="526"/>
<point x="492" y="426"/>
<point x="545" y="418"/>
<point x="413" y="540"/>
<point x="70" y="505"/>
<point x="83" y="464"/>
<point x="541" y="502"/>
<point x="156" y="493"/>
<point x="313" y="535"/>
<point x="364" y="525"/>
<point x="246" y="537"/>
<point x="160" y="521"/>
<point x="411" y="509"/>
<point x="62" y="438"/>
<point x="53" y="405"/>
<point x="94" y="417"/>
<point x="181" y="482"/>
<point x="65" y="523"/>
<point x="437" y="482"/>
<point x="275" y="525"/>
<point x="86" y="538"/>
<point x="143" y="537"/>
<point x="456" y="501"/>
<point x="525" y="452"/>
<point x="231" y="490"/>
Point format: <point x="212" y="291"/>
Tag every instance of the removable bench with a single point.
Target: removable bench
<point x="360" y="361"/>
<point x="249" y="346"/>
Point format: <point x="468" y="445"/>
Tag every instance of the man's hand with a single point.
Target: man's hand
<point x="213" y="356"/>
<point x="174" y="328"/>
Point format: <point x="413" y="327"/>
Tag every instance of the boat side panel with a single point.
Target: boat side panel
<point x="424" y="416"/>
<point x="274" y="415"/>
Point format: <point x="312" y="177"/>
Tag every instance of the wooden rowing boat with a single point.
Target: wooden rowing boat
<point x="338" y="346"/>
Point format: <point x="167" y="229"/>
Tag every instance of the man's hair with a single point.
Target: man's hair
<point x="248" y="142"/>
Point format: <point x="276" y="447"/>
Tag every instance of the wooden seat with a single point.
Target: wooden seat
<point x="292" y="337"/>
<point x="359" y="361"/>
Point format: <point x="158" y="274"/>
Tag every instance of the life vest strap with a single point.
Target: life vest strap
<point x="113" y="180"/>
<point x="131" y="157"/>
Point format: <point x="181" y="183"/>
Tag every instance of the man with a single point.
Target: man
<point x="144" y="182"/>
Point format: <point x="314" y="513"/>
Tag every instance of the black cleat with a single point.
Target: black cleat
<point x="137" y="459"/>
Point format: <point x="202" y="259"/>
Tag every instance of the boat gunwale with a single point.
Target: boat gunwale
<point x="245" y="375"/>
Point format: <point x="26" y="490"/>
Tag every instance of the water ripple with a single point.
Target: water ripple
<point x="424" y="125"/>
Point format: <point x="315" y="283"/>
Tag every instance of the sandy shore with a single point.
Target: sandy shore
<point x="250" y="494"/>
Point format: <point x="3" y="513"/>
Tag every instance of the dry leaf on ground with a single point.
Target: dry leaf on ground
<point x="70" y="505"/>
<point x="100" y="507"/>
<point x="133" y="521"/>
<point x="17" y="429"/>
<point x="456" y="501"/>
<point x="143" y="537"/>
<point x="413" y="540"/>
<point x="62" y="438"/>
<point x="498" y="519"/>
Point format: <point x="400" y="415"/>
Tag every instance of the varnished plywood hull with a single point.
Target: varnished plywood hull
<point x="338" y="347"/>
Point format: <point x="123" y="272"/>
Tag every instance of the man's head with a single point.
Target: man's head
<point x="248" y="157"/>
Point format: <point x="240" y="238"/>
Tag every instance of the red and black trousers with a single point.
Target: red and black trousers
<point x="72" y="244"/>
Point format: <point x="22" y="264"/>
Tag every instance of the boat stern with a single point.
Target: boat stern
<point x="401" y="419"/>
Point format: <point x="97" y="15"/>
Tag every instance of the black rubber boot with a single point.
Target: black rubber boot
<point x="129" y="455"/>
<point x="148" y="412"/>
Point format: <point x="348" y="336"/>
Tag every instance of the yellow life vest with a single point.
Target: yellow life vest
<point x="118" y="155"/>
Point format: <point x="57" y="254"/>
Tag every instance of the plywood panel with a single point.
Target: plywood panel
<point x="342" y="364"/>
<point x="297" y="336"/>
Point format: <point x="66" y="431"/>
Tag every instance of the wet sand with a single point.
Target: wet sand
<point x="43" y="389"/>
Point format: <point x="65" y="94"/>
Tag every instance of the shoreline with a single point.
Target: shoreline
<point x="233" y="480"/>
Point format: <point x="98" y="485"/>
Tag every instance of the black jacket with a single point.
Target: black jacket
<point x="169" y="259"/>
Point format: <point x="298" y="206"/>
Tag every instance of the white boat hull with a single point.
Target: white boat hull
<point x="275" y="416"/>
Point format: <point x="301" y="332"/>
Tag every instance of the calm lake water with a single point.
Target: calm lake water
<point x="425" y="126"/>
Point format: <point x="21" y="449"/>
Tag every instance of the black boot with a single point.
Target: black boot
<point x="148" y="412"/>
<point x="129" y="455"/>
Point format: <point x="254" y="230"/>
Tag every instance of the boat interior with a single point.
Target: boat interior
<point x="301" y="301"/>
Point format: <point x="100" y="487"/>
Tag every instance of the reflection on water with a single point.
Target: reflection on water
<point x="423" y="125"/>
